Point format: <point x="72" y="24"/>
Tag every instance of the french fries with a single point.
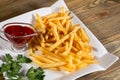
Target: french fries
<point x="59" y="44"/>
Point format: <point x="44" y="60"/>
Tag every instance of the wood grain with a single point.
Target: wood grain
<point x="102" y="17"/>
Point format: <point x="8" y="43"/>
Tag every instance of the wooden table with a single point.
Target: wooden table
<point x="102" y="17"/>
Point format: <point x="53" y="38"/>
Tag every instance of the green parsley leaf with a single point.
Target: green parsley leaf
<point x="31" y="74"/>
<point x="35" y="74"/>
<point x="8" y="57"/>
<point x="14" y="64"/>
<point x="15" y="67"/>
<point x="11" y="74"/>
<point x="23" y="59"/>
<point x="39" y="71"/>
<point x="5" y="67"/>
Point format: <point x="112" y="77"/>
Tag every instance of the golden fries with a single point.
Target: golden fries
<point x="59" y="44"/>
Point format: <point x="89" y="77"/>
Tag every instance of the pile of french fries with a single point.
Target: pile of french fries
<point x="60" y="45"/>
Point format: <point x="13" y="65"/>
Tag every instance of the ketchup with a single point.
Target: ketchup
<point x="17" y="30"/>
<point x="17" y="34"/>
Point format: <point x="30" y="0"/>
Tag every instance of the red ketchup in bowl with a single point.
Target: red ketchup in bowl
<point x="18" y="34"/>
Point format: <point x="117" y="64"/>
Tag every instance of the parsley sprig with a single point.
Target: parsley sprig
<point x="12" y="68"/>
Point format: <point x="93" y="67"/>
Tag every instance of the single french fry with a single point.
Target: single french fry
<point x="46" y="65"/>
<point x="82" y="45"/>
<point x="70" y="61"/>
<point x="42" y="58"/>
<point x="66" y="46"/>
<point x="81" y="65"/>
<point x="63" y="9"/>
<point x="77" y="45"/>
<point x="70" y="68"/>
<point x="70" y="45"/>
<point x="54" y="30"/>
<point x="50" y="16"/>
<point x="37" y="61"/>
<point x="52" y="58"/>
<point x="60" y="26"/>
<point x="41" y="24"/>
<point x="86" y="38"/>
<point x="76" y="61"/>
<point x="77" y="38"/>
<point x="53" y="65"/>
<point x="30" y="49"/>
<point x="74" y="49"/>
<point x="68" y="24"/>
<point x="60" y="18"/>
